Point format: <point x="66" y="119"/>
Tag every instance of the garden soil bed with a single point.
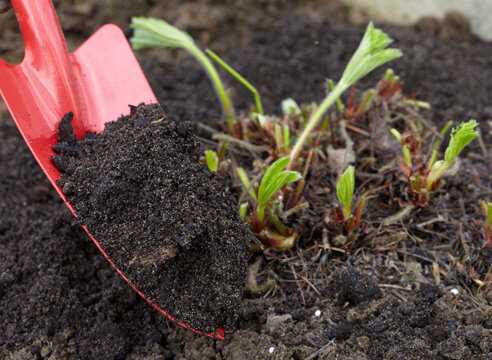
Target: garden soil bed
<point x="59" y="299"/>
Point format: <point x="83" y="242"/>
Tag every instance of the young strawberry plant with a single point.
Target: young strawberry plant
<point x="372" y="53"/>
<point x="425" y="178"/>
<point x="347" y="214"/>
<point x="265" y="217"/>
<point x="282" y="149"/>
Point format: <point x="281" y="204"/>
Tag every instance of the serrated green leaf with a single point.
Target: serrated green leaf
<point x="150" y="32"/>
<point x="371" y="54"/>
<point x="345" y="190"/>
<point x="464" y="134"/>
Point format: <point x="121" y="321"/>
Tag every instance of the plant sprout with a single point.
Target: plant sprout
<point x="157" y="33"/>
<point x="212" y="160"/>
<point x="463" y="135"/>
<point x="487" y="209"/>
<point x="345" y="190"/>
<point x="372" y="53"/>
<point x="274" y="180"/>
<point x="407" y="156"/>
<point x="423" y="178"/>
<point x="290" y="107"/>
<point x="264" y="219"/>
<point x="345" y="193"/>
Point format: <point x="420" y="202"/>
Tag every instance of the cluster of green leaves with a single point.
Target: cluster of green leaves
<point x="463" y="135"/>
<point x="372" y="53"/>
<point x="425" y="178"/>
<point x="266" y="197"/>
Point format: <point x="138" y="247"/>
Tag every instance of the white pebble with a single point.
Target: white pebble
<point x="317" y="313"/>
<point x="455" y="291"/>
<point x="271" y="350"/>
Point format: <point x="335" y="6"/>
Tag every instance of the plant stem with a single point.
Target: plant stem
<point x="225" y="100"/>
<point x="235" y="74"/>
<point x="314" y="121"/>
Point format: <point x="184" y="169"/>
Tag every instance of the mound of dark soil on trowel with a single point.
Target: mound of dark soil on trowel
<point x="165" y="220"/>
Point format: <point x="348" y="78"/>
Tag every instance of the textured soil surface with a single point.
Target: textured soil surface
<point x="59" y="299"/>
<point x="164" y="219"/>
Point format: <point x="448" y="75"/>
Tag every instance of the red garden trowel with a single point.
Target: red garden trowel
<point x="97" y="83"/>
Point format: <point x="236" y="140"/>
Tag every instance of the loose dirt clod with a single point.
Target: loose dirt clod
<point x="168" y="223"/>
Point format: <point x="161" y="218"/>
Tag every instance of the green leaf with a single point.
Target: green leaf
<point x="240" y="78"/>
<point x="396" y="134"/>
<point x="151" y="32"/>
<point x="274" y="180"/>
<point x="487" y="206"/>
<point x="248" y="187"/>
<point x="212" y="160"/>
<point x="371" y="54"/>
<point x="345" y="190"/>
<point x="290" y="107"/>
<point x="464" y="134"/>
<point x="243" y="210"/>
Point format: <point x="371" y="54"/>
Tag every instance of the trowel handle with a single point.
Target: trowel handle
<point x="41" y="30"/>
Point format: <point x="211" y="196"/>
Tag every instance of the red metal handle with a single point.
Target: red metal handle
<point x="46" y="51"/>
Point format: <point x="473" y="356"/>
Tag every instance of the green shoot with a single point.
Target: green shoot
<point x="278" y="134"/>
<point x="243" y="211"/>
<point x="463" y="135"/>
<point x="345" y="191"/>
<point x="406" y="153"/>
<point x="156" y="33"/>
<point x="437" y="144"/>
<point x="390" y="76"/>
<point x="290" y="107"/>
<point x="339" y="102"/>
<point x="248" y="187"/>
<point x="236" y="75"/>
<point x="274" y="180"/>
<point x="286" y="136"/>
<point x="212" y="160"/>
<point x="487" y="209"/>
<point x="372" y="53"/>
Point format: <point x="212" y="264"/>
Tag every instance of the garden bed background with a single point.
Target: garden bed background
<point x="59" y="299"/>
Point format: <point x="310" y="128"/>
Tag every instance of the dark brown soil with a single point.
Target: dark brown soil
<point x="59" y="299"/>
<point x="166" y="221"/>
